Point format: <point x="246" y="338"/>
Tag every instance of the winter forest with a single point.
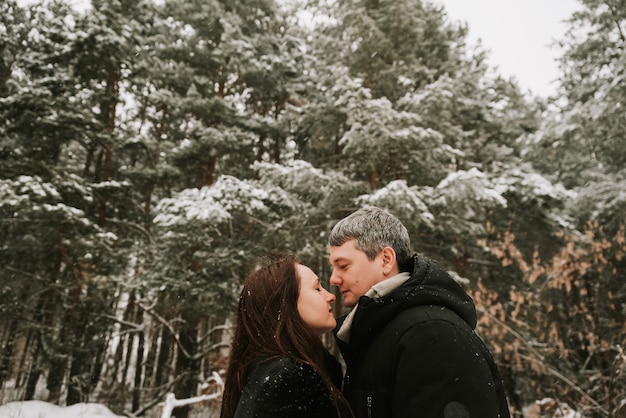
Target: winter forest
<point x="151" y="151"/>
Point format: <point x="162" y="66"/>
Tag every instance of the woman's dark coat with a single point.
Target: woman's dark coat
<point x="414" y="353"/>
<point x="283" y="388"/>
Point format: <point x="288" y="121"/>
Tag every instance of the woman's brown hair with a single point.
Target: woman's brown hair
<point x="268" y="325"/>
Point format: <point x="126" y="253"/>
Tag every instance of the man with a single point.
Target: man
<point x="409" y="342"/>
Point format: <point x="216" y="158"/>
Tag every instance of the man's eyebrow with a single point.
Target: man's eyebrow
<point x="337" y="259"/>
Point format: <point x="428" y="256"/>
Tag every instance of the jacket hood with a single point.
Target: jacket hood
<point x="429" y="285"/>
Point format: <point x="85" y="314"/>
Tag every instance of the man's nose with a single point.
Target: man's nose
<point x="334" y="280"/>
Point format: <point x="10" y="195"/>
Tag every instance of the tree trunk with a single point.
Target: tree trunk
<point x="31" y="383"/>
<point x="74" y="387"/>
<point x="64" y="342"/>
<point x="373" y="179"/>
<point x="117" y="357"/>
<point x="69" y="342"/>
<point x="260" y="148"/>
<point x="7" y="351"/>
<point x="81" y="358"/>
<point x="147" y="201"/>
<point x="128" y="316"/>
<point x="88" y="349"/>
<point x="56" y="374"/>
<point x="109" y="107"/>
<point x="98" y="364"/>
<point x="187" y="366"/>
<point x="276" y="151"/>
<point x="207" y="175"/>
<point x="139" y="365"/>
<point x="49" y="308"/>
<point x="35" y="369"/>
<point x="162" y="369"/>
<point x="461" y="260"/>
<point x="149" y="368"/>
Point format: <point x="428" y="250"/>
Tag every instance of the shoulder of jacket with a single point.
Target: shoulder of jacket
<point x="424" y="314"/>
<point x="284" y="369"/>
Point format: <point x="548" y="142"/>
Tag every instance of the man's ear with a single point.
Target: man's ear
<point x="390" y="263"/>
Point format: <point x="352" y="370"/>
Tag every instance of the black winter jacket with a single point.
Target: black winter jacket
<point x="414" y="353"/>
<point x="283" y="388"/>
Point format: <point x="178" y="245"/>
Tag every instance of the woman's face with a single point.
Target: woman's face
<point x="315" y="302"/>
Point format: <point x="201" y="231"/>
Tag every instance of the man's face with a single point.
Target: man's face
<point x="353" y="273"/>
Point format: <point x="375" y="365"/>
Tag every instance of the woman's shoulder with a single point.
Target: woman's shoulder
<point x="284" y="387"/>
<point x="282" y="369"/>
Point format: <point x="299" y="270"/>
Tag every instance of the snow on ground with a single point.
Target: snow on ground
<point x="40" y="409"/>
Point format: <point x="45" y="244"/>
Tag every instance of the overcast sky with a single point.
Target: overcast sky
<point x="518" y="34"/>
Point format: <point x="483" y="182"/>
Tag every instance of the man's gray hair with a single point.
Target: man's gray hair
<point x="373" y="229"/>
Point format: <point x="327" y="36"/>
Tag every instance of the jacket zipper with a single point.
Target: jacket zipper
<point x="369" y="406"/>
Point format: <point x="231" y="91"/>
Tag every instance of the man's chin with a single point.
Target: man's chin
<point x="349" y="303"/>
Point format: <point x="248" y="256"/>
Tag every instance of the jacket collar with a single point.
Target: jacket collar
<point x="379" y="290"/>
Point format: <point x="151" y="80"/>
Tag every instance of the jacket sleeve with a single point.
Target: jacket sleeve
<point x="441" y="370"/>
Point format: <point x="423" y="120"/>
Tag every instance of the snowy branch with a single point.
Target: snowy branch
<point x="171" y="402"/>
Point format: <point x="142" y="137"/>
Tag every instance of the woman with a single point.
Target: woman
<point x="278" y="365"/>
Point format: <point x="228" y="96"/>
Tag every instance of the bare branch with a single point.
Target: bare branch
<point x="515" y="334"/>
<point x="215" y="329"/>
<point x="171" y="402"/>
<point x="539" y="359"/>
<point x="167" y="325"/>
<point x="134" y="326"/>
<point x="567" y="381"/>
